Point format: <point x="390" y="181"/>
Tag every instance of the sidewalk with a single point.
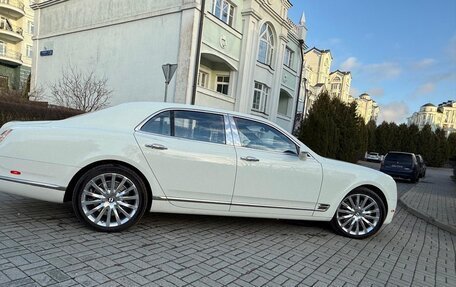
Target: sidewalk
<point x="434" y="199"/>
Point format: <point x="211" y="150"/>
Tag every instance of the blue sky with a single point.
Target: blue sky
<point x="401" y="52"/>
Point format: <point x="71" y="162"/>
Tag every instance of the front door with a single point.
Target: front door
<point x="270" y="177"/>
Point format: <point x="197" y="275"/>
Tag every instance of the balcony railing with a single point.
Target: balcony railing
<point x="12" y="28"/>
<point x="14" y="3"/>
<point x="10" y="54"/>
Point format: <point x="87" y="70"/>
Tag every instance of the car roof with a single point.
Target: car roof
<point x="401" y="152"/>
<point x="130" y="115"/>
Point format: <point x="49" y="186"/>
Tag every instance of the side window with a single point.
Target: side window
<point x="264" y="137"/>
<point x="160" y="124"/>
<point x="199" y="126"/>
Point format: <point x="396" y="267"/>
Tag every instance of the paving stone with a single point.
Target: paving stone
<point x="48" y="246"/>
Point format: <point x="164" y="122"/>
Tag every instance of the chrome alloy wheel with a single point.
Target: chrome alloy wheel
<point x="110" y="200"/>
<point x="358" y="214"/>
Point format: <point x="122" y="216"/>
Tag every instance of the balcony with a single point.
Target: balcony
<point x="12" y="9"/>
<point x="10" y="57"/>
<point x="10" y="33"/>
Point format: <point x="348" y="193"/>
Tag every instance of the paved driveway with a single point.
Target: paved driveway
<point x="44" y="244"/>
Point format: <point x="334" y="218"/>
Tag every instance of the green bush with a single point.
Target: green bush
<point x="17" y="110"/>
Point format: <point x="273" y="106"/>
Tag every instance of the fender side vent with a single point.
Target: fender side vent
<point x="322" y="207"/>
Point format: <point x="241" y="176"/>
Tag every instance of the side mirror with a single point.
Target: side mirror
<point x="303" y="155"/>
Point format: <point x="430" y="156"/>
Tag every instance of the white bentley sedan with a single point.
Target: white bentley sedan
<point x="118" y="163"/>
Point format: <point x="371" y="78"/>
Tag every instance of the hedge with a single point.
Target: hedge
<point x="32" y="111"/>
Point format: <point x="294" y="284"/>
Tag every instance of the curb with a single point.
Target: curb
<point x="425" y="217"/>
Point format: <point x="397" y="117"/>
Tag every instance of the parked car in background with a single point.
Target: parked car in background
<point x="422" y="165"/>
<point x="402" y="165"/>
<point x="373" y="156"/>
<point x="118" y="163"/>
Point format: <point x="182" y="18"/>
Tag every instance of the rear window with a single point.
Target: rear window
<point x="399" y="157"/>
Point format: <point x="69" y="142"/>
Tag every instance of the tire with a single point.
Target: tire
<point x="415" y="179"/>
<point x="108" y="209"/>
<point x="360" y="214"/>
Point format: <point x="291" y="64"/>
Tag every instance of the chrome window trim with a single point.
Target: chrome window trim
<point x="33" y="183"/>
<point x="236" y="132"/>
<point x="224" y="115"/>
<point x="179" y="199"/>
<point x="228" y="132"/>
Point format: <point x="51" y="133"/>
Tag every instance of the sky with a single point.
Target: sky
<point x="402" y="52"/>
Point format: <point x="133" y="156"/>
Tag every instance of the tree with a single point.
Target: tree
<point x="452" y="146"/>
<point x="81" y="91"/>
<point x="371" y="139"/>
<point x="334" y="130"/>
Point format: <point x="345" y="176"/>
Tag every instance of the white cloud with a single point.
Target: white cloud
<point x="350" y="64"/>
<point x="376" y="71"/>
<point x="335" y="41"/>
<point x="426" y="88"/>
<point x="376" y="92"/>
<point x="383" y="71"/>
<point x="393" y="112"/>
<point x="354" y="92"/>
<point x="424" y="63"/>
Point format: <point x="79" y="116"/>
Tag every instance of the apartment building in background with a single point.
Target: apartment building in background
<point x="367" y="108"/>
<point x="442" y="116"/>
<point x="337" y="84"/>
<point x="16" y="31"/>
<point x="317" y="64"/>
<point x="241" y="55"/>
<point x="340" y="85"/>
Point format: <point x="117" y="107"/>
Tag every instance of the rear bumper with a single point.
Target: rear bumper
<point x="402" y="174"/>
<point x="32" y="189"/>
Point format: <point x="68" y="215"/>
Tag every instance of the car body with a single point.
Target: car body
<point x="401" y="165"/>
<point x="421" y="165"/>
<point x="176" y="158"/>
<point x="373" y="156"/>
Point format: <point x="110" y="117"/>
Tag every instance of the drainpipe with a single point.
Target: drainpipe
<point x="301" y="43"/>
<point x="198" y="51"/>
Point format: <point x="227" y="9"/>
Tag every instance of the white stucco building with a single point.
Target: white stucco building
<point x="367" y="108"/>
<point x="232" y="54"/>
<point x="442" y="116"/>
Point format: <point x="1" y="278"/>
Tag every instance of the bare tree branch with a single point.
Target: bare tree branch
<point x="81" y="91"/>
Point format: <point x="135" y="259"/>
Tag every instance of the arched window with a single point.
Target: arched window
<point x="266" y="49"/>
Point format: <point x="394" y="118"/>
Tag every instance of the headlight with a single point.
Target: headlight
<point x="5" y="134"/>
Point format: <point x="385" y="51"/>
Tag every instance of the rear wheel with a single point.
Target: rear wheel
<point x="359" y="215"/>
<point x="110" y="198"/>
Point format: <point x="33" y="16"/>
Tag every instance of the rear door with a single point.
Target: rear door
<point x="190" y="155"/>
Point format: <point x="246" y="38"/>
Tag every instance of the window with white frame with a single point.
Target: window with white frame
<point x="224" y="10"/>
<point x="288" y="60"/>
<point x="30" y="27"/>
<point x="223" y="83"/>
<point x="203" y="79"/>
<point x="266" y="47"/>
<point x="29" y="51"/>
<point x="260" y="97"/>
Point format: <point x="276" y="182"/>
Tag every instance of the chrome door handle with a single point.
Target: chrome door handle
<point x="156" y="146"/>
<point x="249" y="158"/>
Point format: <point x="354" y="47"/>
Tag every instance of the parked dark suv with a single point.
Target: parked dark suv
<point x="401" y="164"/>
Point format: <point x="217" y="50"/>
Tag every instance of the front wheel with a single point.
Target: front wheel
<point x="359" y="215"/>
<point x="110" y="198"/>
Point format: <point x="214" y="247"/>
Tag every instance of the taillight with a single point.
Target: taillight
<point x="5" y="134"/>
